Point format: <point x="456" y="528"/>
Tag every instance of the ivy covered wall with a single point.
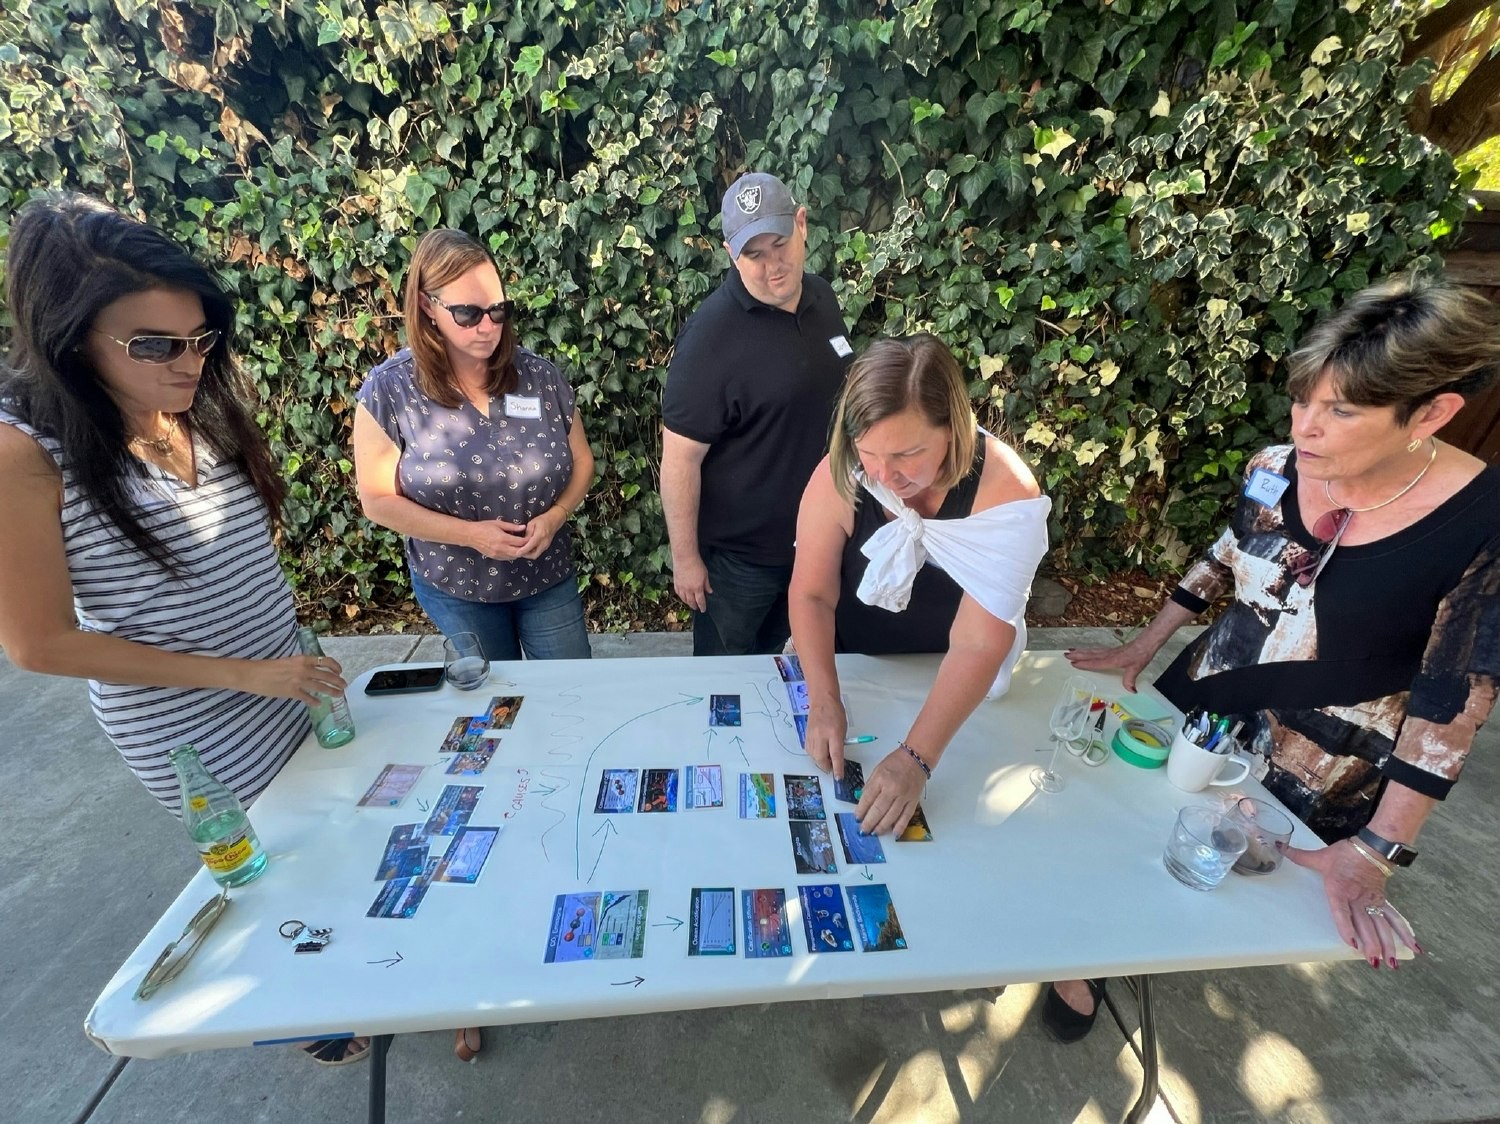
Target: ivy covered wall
<point x="1120" y="214"/>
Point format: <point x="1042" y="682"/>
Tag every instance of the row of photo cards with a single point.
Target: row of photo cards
<point x="407" y="867"/>
<point x="612" y="925"/>
<point x="657" y="790"/>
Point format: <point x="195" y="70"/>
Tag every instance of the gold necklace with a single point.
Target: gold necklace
<point x="161" y="446"/>
<point x="1417" y="479"/>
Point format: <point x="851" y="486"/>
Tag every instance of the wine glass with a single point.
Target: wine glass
<point x="1068" y="721"/>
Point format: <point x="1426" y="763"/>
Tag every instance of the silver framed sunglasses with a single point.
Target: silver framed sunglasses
<point x="164" y="349"/>
<point x="174" y="958"/>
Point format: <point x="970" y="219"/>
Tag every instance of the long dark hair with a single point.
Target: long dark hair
<point x="70" y="258"/>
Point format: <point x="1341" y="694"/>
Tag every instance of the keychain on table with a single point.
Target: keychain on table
<point x="313" y="939"/>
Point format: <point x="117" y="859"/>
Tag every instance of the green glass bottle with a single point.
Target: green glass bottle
<point x="216" y="822"/>
<point x="332" y="722"/>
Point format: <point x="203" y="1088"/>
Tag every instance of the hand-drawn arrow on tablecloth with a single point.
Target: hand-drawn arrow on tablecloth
<point x="634" y="983"/>
<point x="389" y="962"/>
<point x="607" y="829"/>
<point x="588" y="765"/>
<point x="672" y="921"/>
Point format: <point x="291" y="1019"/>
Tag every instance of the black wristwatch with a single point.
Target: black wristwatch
<point x="1398" y="854"/>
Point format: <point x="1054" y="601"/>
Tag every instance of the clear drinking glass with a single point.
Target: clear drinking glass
<point x="464" y="662"/>
<point x="1068" y="722"/>
<point x="1269" y="830"/>
<point x="1203" y="846"/>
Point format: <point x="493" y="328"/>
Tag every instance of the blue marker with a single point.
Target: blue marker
<point x="860" y="739"/>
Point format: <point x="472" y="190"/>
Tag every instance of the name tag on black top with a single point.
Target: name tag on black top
<point x="841" y="347"/>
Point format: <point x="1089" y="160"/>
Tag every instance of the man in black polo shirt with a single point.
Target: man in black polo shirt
<point x="749" y="396"/>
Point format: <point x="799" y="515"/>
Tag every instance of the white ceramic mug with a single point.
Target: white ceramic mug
<point x="1193" y="768"/>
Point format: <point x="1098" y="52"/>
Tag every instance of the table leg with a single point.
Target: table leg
<point x="1148" y="1052"/>
<point x="379" y="1045"/>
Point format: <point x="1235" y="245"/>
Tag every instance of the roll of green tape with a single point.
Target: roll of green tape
<point x="1142" y="744"/>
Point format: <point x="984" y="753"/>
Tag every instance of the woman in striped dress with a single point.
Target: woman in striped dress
<point x="137" y="550"/>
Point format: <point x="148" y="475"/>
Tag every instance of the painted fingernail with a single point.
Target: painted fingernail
<point x="1391" y="962"/>
<point x="1375" y="962"/>
<point x="1420" y="950"/>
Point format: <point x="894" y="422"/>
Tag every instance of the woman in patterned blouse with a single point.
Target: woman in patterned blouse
<point x="1362" y="640"/>
<point x="472" y="448"/>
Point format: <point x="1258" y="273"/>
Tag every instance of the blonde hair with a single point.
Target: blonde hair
<point x="1401" y="343"/>
<point x="891" y="377"/>
<point x="443" y="256"/>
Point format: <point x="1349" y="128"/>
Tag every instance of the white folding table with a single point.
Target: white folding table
<point x="1016" y="886"/>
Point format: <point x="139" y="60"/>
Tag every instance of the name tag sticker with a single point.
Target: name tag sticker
<point x="841" y="346"/>
<point x="519" y="406"/>
<point x="1266" y="487"/>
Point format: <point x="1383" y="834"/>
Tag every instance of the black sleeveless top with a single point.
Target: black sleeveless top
<point x="924" y="624"/>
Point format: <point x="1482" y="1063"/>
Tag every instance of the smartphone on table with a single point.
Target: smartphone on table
<point x="405" y="680"/>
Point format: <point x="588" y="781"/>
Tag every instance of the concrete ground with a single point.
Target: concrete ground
<point x="88" y="861"/>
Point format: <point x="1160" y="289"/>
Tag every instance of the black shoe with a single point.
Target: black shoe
<point x="1065" y="1024"/>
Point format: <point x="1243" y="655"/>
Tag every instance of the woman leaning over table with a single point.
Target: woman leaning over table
<point x="1362" y="642"/>
<point x="140" y="498"/>
<point x="908" y="464"/>
<point x="471" y="447"/>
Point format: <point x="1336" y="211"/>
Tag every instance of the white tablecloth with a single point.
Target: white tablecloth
<point x="1016" y="885"/>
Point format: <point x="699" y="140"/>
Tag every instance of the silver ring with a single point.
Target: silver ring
<point x="1375" y="910"/>
<point x="296" y="928"/>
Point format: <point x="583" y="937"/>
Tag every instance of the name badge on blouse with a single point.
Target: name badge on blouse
<point x="1266" y="487"/>
<point x="519" y="406"/>
<point x="840" y="346"/>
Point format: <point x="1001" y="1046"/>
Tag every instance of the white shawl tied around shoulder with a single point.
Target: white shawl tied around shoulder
<point x="992" y="555"/>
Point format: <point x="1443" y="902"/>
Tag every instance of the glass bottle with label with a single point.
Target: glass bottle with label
<point x="331" y="719"/>
<point x="216" y="822"/>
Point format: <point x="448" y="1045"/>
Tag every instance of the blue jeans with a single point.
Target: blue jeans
<point x="747" y="612"/>
<point x="548" y="625"/>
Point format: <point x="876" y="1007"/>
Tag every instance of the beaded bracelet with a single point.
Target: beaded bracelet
<point x="917" y="757"/>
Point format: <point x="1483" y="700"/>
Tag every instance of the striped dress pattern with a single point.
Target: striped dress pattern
<point x="230" y="599"/>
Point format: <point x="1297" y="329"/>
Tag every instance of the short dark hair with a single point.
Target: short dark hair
<point x="1401" y="343"/>
<point x="70" y="258"/>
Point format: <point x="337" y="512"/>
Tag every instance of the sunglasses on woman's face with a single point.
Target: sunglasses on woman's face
<point x="1305" y="566"/>
<point x="468" y="315"/>
<point x="164" y="349"/>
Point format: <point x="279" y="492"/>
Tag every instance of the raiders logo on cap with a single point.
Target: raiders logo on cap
<point x="748" y="199"/>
